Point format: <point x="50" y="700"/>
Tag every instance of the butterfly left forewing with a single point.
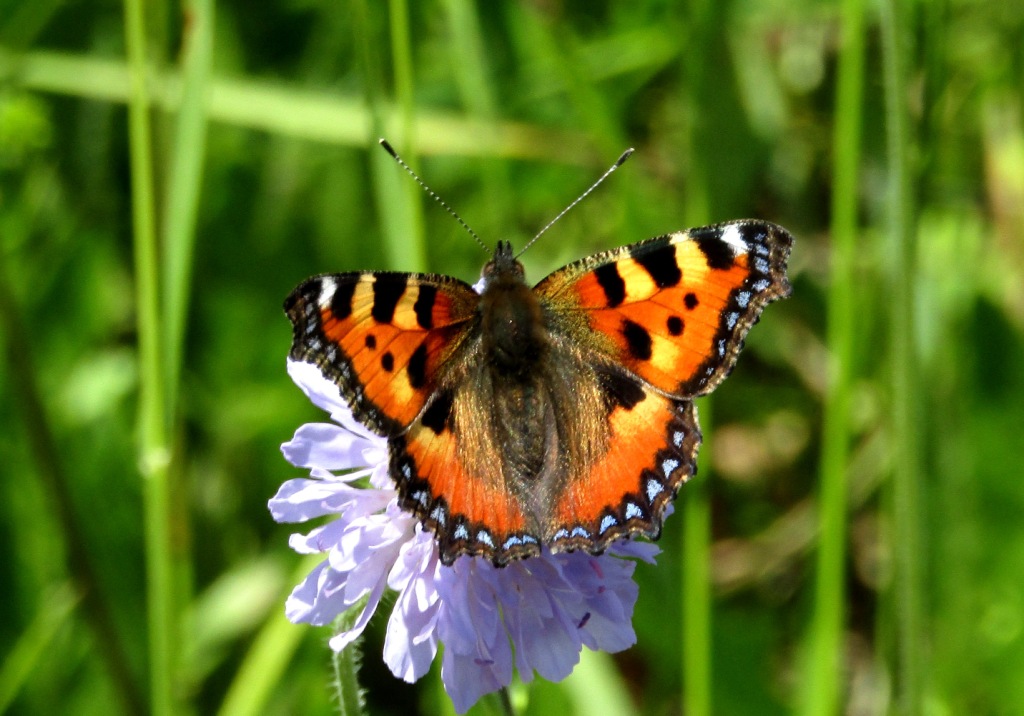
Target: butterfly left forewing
<point x="382" y="337"/>
<point x="674" y="309"/>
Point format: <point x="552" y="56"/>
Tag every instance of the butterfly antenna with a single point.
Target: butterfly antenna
<point x="618" y="163"/>
<point x="401" y="162"/>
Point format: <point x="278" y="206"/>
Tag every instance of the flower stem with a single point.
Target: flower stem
<point x="506" y="701"/>
<point x="351" y="701"/>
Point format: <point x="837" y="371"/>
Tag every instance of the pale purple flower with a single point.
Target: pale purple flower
<point x="534" y="615"/>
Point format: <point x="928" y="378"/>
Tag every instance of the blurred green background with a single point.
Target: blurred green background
<point x="854" y="542"/>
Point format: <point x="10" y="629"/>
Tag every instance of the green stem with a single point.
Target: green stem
<point x="905" y="519"/>
<point x="346" y="668"/>
<point x="506" y="702"/>
<point x="820" y="687"/>
<point x="153" y="444"/>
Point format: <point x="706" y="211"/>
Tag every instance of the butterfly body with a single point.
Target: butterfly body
<point x="559" y="414"/>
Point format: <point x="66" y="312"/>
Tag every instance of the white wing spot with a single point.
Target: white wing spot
<point x="667" y="467"/>
<point x="742" y="299"/>
<point x="633" y="511"/>
<point x="327" y="288"/>
<point x="438" y="515"/>
<point x="734" y="238"/>
<point x="654" y="488"/>
<point x="607" y="523"/>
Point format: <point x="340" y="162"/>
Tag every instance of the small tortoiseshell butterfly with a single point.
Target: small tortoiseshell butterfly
<point x="560" y="414"/>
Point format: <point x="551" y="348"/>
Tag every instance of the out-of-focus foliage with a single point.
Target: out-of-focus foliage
<point x="511" y="110"/>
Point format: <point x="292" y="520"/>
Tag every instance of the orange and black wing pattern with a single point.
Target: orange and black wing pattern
<point x="381" y="337"/>
<point x="634" y="334"/>
<point x="665" y="319"/>
<point x="673" y="310"/>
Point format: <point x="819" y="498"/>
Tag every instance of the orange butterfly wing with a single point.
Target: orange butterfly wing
<point x="387" y="340"/>
<point x="382" y="337"/>
<point x="672" y="312"/>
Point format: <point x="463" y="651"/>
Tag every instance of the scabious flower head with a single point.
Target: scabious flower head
<point x="534" y="616"/>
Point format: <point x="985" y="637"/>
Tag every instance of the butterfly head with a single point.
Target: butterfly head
<point x="503" y="267"/>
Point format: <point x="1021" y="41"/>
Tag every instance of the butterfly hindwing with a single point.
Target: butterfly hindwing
<point x="381" y="336"/>
<point x="652" y="447"/>
<point x="652" y="451"/>
<point x="674" y="309"/>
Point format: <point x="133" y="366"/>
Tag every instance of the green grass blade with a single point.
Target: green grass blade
<point x="472" y="72"/>
<point x="184" y="186"/>
<point x="35" y="642"/>
<point x="396" y="193"/>
<point x="905" y="520"/>
<point x="697" y="655"/>
<point x="596" y="686"/>
<point x="697" y="583"/>
<point x="822" y="667"/>
<point x="154" y="452"/>
<point x="401" y="206"/>
<point x="267" y="659"/>
<point x="298" y="113"/>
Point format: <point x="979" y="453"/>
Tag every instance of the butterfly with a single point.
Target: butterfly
<point x="558" y="415"/>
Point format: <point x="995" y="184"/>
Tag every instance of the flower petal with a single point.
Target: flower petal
<point x="325" y="395"/>
<point x="326" y="445"/>
<point x="411" y="642"/>
<point x="303" y="499"/>
<point x="319" y="599"/>
<point x="342" y="639"/>
<point x="477" y="655"/>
